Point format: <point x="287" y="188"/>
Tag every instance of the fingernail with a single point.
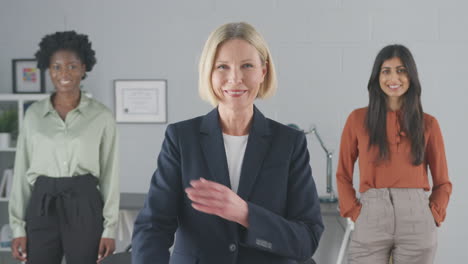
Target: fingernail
<point x="99" y="256"/>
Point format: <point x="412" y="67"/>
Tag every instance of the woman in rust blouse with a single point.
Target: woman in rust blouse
<point x="396" y="143"/>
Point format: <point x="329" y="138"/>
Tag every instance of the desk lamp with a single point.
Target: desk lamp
<point x="330" y="197"/>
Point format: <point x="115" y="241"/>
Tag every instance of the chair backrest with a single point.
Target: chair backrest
<point x="118" y="258"/>
<point x="309" y="261"/>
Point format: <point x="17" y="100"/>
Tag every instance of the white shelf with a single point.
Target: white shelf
<point x="7" y="149"/>
<point x="20" y="102"/>
<point x="23" y="97"/>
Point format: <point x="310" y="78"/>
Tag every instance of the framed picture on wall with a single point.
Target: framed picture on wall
<point x="141" y="101"/>
<point x="27" y="78"/>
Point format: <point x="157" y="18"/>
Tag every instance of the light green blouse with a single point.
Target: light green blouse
<point x="86" y="142"/>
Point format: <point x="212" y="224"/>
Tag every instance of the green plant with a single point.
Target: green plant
<point x="8" y="121"/>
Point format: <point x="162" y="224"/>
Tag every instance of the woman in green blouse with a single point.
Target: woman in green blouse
<point x="65" y="194"/>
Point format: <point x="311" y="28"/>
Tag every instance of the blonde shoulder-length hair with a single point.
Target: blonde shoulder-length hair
<point x="243" y="31"/>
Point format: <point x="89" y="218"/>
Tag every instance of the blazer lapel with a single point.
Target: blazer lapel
<point x="212" y="144"/>
<point x="258" y="145"/>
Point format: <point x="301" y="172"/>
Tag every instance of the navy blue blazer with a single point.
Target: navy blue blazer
<point x="285" y="223"/>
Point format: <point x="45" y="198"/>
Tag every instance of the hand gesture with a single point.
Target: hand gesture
<point x="106" y="248"/>
<point x="18" y="248"/>
<point x="216" y="199"/>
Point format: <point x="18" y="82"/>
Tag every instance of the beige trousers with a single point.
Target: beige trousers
<point x="394" y="222"/>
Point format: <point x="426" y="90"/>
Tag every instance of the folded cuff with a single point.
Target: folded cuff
<point x="108" y="233"/>
<point x="353" y="213"/>
<point x="18" y="231"/>
<point x="438" y="218"/>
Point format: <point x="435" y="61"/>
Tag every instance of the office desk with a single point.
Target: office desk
<point x="135" y="201"/>
<point x="132" y="201"/>
<point x="329" y="209"/>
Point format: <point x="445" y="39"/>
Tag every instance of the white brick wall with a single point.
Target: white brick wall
<point x="324" y="51"/>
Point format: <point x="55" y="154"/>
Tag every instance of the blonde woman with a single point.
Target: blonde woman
<point x="235" y="186"/>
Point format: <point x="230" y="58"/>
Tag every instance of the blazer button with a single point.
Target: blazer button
<point x="232" y="247"/>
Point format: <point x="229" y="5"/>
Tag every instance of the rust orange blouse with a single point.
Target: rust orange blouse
<point x="398" y="171"/>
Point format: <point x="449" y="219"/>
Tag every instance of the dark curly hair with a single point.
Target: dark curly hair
<point x="66" y="40"/>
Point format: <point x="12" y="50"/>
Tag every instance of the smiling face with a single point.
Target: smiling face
<point x="237" y="74"/>
<point x="394" y="80"/>
<point x="66" y="71"/>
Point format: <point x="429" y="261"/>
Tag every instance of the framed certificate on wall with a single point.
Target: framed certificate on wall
<point x="141" y="101"/>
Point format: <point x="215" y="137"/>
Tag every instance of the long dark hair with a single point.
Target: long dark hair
<point x="411" y="108"/>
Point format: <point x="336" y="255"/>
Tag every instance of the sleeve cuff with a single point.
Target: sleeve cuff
<point x="354" y="213"/>
<point x="108" y="233"/>
<point x="255" y="232"/>
<point x="18" y="231"/>
<point x="437" y="217"/>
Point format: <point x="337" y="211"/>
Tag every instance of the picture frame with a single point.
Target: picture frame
<point x="27" y="78"/>
<point x="141" y="101"/>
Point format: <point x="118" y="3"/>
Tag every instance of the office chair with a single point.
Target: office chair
<point x="344" y="243"/>
<point x="124" y="257"/>
<point x="309" y="261"/>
